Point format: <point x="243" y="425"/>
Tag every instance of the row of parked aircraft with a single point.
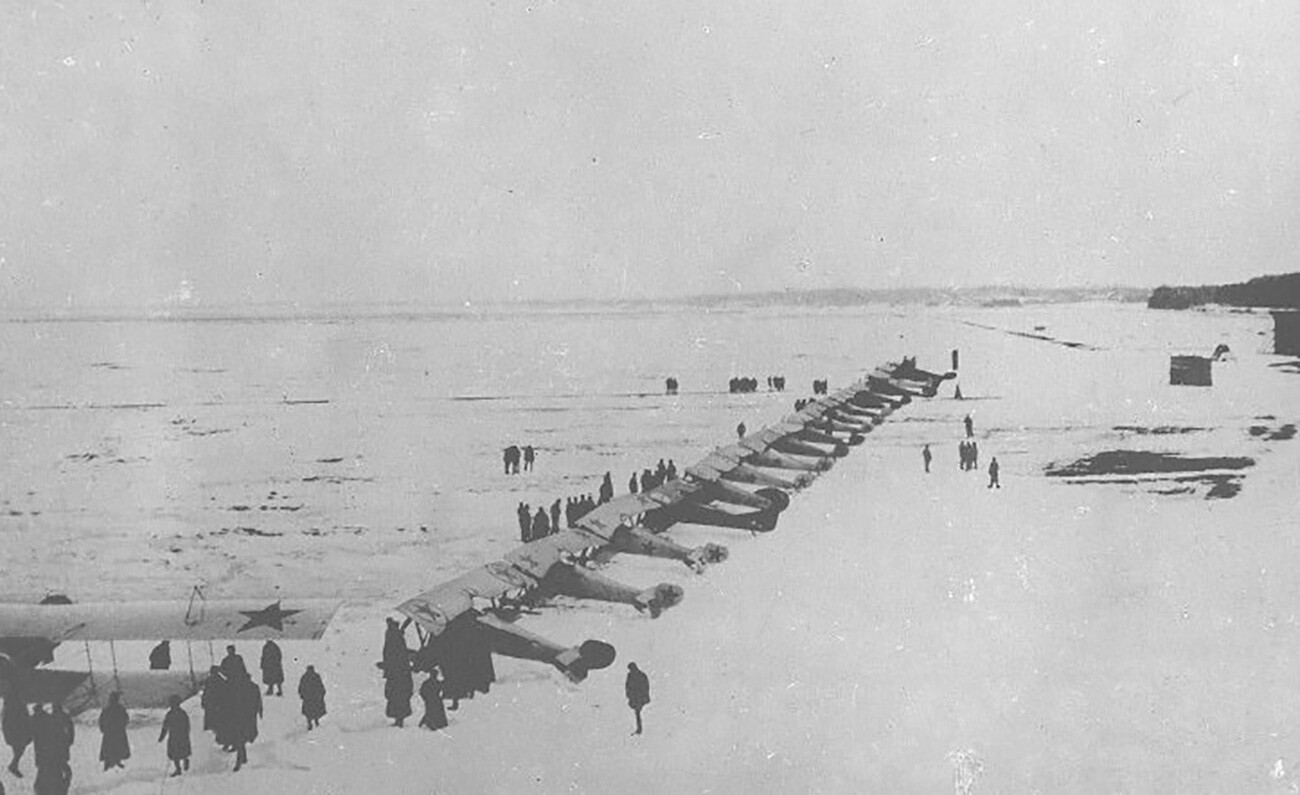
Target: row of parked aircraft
<point x="745" y="485"/>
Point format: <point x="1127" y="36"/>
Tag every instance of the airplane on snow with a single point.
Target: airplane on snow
<point x="476" y="610"/>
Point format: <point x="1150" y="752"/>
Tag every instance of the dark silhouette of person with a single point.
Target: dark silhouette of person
<point x="245" y="709"/>
<point x="555" y="516"/>
<point x="114" y="747"/>
<point x="435" y="717"/>
<point x="272" y="668"/>
<point x="606" y="489"/>
<point x="312" y="692"/>
<point x="176" y="731"/>
<point x="510" y="457"/>
<point x="525" y="523"/>
<point x="926" y="456"/>
<point x="631" y="484"/>
<point x="396" y="655"/>
<point x="740" y="431"/>
<point x="974" y="455"/>
<point x="16" y="723"/>
<point x="160" y="658"/>
<point x="970" y="426"/>
<point x="232" y="665"/>
<point x="647" y="481"/>
<point x="65" y="733"/>
<point x="214" y="701"/>
<point x="993" y="473"/>
<point x="530" y="456"/>
<point x="637" y="689"/>
<point x="672" y="470"/>
<point x="541" y="524"/>
<point x="52" y="749"/>
<point x="398" y="688"/>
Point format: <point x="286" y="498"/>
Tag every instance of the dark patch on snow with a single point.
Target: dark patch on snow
<point x="1138" y="462"/>
<point x="1159" y="430"/>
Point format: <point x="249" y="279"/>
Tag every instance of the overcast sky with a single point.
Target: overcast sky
<point x="324" y="151"/>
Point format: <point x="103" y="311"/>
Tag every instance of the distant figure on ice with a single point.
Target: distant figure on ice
<point x="435" y="717"/>
<point x="510" y="457"/>
<point x="926" y="456"/>
<point x="974" y="455"/>
<point x="232" y="665"/>
<point x="213" y="701"/>
<point x="312" y="692"/>
<point x="530" y="455"/>
<point x="176" y="730"/>
<point x="114" y="747"/>
<point x="525" y="523"/>
<point x="740" y="431"/>
<point x="272" y="668"/>
<point x="555" y="516"/>
<point x="16" y="723"/>
<point x="970" y="426"/>
<point x="541" y="524"/>
<point x="993" y="473"/>
<point x="637" y="689"/>
<point x="160" y="658"/>
<point x="606" y="489"/>
<point x="631" y="484"/>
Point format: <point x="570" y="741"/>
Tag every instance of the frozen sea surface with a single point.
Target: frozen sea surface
<point x="898" y="632"/>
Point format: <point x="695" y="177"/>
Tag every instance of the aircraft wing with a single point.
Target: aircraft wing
<point x="79" y="691"/>
<point x="605" y="519"/>
<point x="199" y="619"/>
<point x="435" y="608"/>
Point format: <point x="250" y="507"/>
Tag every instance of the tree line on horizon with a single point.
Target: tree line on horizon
<point x="1273" y="292"/>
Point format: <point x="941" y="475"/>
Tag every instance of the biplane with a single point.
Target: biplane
<point x="29" y="634"/>
<point x="745" y="485"/>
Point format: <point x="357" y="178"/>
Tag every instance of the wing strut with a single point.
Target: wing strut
<point x="193" y="617"/>
<point x="90" y="668"/>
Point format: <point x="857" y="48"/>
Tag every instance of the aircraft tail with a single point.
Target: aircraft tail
<point x="659" y="598"/>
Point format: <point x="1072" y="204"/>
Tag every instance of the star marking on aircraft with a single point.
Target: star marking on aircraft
<point x="272" y="616"/>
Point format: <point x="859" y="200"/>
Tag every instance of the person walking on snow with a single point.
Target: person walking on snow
<point x="637" y="689"/>
<point x="176" y="730"/>
<point x="993" y="473"/>
<point x="926" y="457"/>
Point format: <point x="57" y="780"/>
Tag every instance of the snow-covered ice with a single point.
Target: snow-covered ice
<point x="898" y="632"/>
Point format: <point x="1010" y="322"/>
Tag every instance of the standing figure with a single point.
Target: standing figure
<point x="396" y="653"/>
<point x="213" y="701"/>
<point x="970" y="427"/>
<point x="530" y="456"/>
<point x="176" y="731"/>
<point x="232" y="665"/>
<point x="555" y="516"/>
<point x="272" y="668"/>
<point x="631" y="484"/>
<point x="606" y="489"/>
<point x="398" y="688"/>
<point x="114" y="748"/>
<point x="525" y="523"/>
<point x="637" y="689"/>
<point x="993" y="473"/>
<point x="974" y="455"/>
<point x="16" y="723"/>
<point x="312" y="692"/>
<point x="435" y="717"/>
<point x="926" y="456"/>
<point x="541" y="524"/>
<point x="245" y="709"/>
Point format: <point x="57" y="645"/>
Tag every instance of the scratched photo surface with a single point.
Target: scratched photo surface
<point x="279" y="283"/>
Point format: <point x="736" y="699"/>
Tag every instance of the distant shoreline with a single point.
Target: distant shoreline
<point x="991" y="296"/>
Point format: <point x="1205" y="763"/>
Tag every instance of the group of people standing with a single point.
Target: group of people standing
<point x="511" y="456"/>
<point x="651" y="479"/>
<point x="50" y="734"/>
<point x="399" y="683"/>
<point x="968" y="455"/>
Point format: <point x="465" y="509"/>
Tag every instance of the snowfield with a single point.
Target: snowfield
<point x="898" y="632"/>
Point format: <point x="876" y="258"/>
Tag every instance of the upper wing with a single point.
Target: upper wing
<point x="200" y="619"/>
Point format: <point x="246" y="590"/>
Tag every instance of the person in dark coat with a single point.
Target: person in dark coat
<point x="555" y="516"/>
<point x="530" y="456"/>
<point x="396" y="653"/>
<point x="926" y="456"/>
<point x="160" y="658"/>
<point x="213" y="701"/>
<point x="631" y="484"/>
<point x="993" y="473"/>
<point x="398" y="688"/>
<point x="525" y="523"/>
<point x="435" y="717"/>
<point x="245" y="710"/>
<point x="970" y="426"/>
<point x="176" y="730"/>
<point x="16" y="723"/>
<point x="637" y="689"/>
<point x="114" y="747"/>
<point x="232" y="665"/>
<point x="541" y="524"/>
<point x="312" y="692"/>
<point x="272" y="668"/>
